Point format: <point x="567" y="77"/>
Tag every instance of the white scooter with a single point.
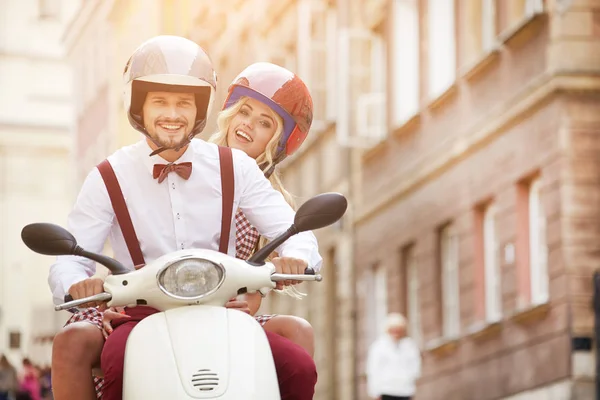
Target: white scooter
<point x="195" y="348"/>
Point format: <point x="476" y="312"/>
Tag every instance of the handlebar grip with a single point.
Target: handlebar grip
<point x="68" y="298"/>
<point x="309" y="271"/>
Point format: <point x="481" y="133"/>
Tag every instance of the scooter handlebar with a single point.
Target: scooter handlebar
<point x="293" y="277"/>
<point x="309" y="275"/>
<point x="100" y="297"/>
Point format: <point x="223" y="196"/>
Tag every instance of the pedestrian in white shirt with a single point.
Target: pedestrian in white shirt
<point x="393" y="363"/>
<point x="165" y="193"/>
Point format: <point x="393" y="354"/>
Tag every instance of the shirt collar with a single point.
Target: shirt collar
<point x="149" y="161"/>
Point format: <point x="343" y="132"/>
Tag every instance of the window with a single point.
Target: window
<point x="14" y="340"/>
<point x="361" y="92"/>
<point x="49" y="9"/>
<point x="488" y="24"/>
<point x="477" y="31"/>
<point x="413" y="313"/>
<point x="380" y="293"/>
<point x="442" y="46"/>
<point x="371" y="104"/>
<point x="285" y="57"/>
<point x="374" y="287"/>
<point x="538" y="249"/>
<point x="493" y="294"/>
<point x="519" y="10"/>
<point x="533" y="7"/>
<point x="317" y="61"/>
<point x="450" y="281"/>
<point x="405" y="60"/>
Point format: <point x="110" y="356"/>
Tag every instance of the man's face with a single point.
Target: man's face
<point x="169" y="117"/>
<point x="397" y="332"/>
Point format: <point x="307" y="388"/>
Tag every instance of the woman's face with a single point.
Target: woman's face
<point x="251" y="129"/>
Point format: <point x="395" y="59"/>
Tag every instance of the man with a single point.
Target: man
<point x="393" y="363"/>
<point x="174" y="199"/>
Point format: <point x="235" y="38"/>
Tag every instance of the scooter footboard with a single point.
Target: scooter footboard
<point x="199" y="352"/>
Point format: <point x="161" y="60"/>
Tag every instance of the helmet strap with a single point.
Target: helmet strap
<point x="279" y="158"/>
<point x="270" y="171"/>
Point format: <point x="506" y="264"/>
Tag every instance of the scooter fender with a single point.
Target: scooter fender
<point x="199" y="352"/>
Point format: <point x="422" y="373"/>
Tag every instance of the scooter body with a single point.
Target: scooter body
<point x="199" y="352"/>
<point x="193" y="347"/>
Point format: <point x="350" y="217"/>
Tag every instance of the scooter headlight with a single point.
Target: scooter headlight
<point x="190" y="278"/>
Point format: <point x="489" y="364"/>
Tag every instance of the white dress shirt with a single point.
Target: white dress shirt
<point x="393" y="367"/>
<point x="175" y="214"/>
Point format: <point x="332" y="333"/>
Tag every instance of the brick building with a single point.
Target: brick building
<point x="478" y="213"/>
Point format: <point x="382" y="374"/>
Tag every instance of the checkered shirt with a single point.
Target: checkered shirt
<point x="246" y="237"/>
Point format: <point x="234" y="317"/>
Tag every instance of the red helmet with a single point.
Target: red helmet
<point x="285" y="93"/>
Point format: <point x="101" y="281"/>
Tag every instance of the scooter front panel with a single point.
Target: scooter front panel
<point x="199" y="352"/>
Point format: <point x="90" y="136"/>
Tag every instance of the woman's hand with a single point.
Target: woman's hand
<point x="288" y="265"/>
<point x="108" y="316"/>
<point x="240" y="305"/>
<point x="248" y="303"/>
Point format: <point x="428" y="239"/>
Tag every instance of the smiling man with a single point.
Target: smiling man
<point x="167" y="117"/>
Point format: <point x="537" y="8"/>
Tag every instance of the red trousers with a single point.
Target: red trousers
<point x="296" y="370"/>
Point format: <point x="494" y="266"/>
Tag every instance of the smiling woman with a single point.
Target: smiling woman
<point x="267" y="114"/>
<point x="252" y="127"/>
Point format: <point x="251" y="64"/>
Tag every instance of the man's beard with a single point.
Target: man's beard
<point x="171" y="143"/>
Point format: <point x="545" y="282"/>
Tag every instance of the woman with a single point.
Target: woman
<point x="267" y="114"/>
<point x="30" y="383"/>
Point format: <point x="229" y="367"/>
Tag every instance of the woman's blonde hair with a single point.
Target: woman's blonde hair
<point x="265" y="160"/>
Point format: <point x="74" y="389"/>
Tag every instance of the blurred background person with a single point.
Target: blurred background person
<point x="29" y="382"/>
<point x="8" y="379"/>
<point x="393" y="363"/>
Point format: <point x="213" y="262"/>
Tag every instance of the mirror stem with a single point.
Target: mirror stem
<point x="261" y="255"/>
<point x="113" y="265"/>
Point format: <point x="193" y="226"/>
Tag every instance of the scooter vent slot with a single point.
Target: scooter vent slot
<point x="205" y="380"/>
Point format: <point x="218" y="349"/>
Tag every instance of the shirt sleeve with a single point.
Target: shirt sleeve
<point x="372" y="369"/>
<point x="416" y="357"/>
<point x="267" y="210"/>
<point x="89" y="222"/>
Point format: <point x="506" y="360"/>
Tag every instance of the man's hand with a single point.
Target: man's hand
<point x="108" y="316"/>
<point x="288" y="265"/>
<point x="86" y="288"/>
<point x="238" y="305"/>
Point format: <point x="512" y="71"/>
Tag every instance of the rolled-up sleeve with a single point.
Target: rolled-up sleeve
<point x="90" y="222"/>
<point x="267" y="210"/>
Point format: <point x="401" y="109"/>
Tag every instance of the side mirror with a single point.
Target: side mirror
<point x="53" y="240"/>
<point x="318" y="212"/>
<point x="49" y="239"/>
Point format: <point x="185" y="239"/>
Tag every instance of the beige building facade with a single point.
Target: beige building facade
<point x="35" y="144"/>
